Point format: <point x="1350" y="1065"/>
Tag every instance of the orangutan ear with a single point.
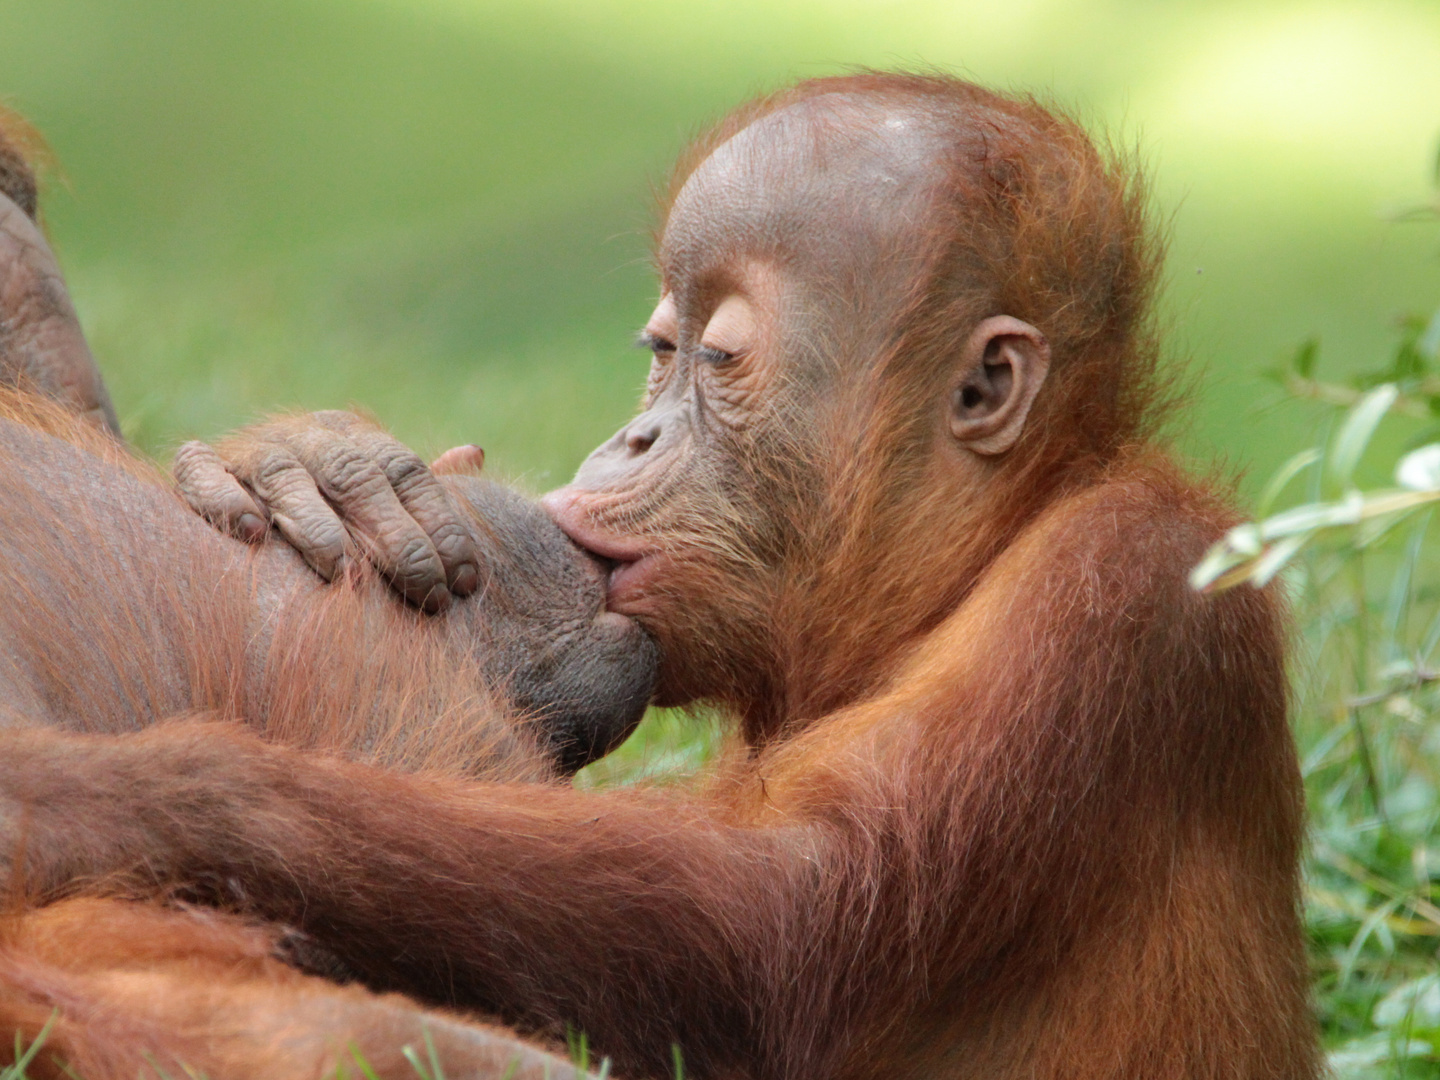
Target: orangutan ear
<point x="1000" y="372"/>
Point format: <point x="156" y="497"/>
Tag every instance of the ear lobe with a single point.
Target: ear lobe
<point x="1001" y="369"/>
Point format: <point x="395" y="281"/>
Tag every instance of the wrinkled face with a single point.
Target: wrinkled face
<point x="784" y="261"/>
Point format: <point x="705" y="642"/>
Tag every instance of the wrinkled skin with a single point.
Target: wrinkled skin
<point x="303" y="474"/>
<point x="79" y="523"/>
<point x="762" y="322"/>
<point x="41" y="345"/>
<point x="762" y="316"/>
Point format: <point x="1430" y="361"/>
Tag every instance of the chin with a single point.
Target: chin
<point x="677" y="686"/>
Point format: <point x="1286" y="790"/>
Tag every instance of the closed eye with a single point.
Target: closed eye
<point x="654" y="343"/>
<point x="714" y="356"/>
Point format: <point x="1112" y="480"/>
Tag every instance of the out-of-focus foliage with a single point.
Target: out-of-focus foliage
<point x="1363" y="566"/>
<point x="439" y="209"/>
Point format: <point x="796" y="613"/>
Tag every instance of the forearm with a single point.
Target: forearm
<point x="548" y="906"/>
<point x="136" y="811"/>
<point x="641" y="923"/>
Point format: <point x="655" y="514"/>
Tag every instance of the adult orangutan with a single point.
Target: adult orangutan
<point x="1014" y="800"/>
<point x="118" y="607"/>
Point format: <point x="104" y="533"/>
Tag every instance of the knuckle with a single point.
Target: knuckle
<point x="405" y="470"/>
<point x="293" y="488"/>
<point x="195" y="450"/>
<point x="324" y="558"/>
<point x="313" y="532"/>
<point x="275" y="468"/>
<point x="348" y="472"/>
<point x="453" y="539"/>
<point x="192" y="460"/>
<point x="416" y="559"/>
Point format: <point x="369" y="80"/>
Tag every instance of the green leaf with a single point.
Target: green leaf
<point x="1414" y="1003"/>
<point x="361" y="1062"/>
<point x="1428" y="344"/>
<point x="1419" y="470"/>
<point x="1287" y="472"/>
<point x="1311" y="516"/>
<point x="1274" y="560"/>
<point x="1355" y="433"/>
<point x="1361" y="1057"/>
<point x="408" y="1052"/>
<point x="1304" y="361"/>
<point x="25" y="1055"/>
<point x="1244" y="539"/>
<point x="1219" y="559"/>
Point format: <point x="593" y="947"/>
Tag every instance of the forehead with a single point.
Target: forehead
<point x="838" y="179"/>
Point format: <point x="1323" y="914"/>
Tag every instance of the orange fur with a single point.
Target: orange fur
<point x="21" y="150"/>
<point x="158" y="619"/>
<point x="1017" y="803"/>
<point x="132" y="990"/>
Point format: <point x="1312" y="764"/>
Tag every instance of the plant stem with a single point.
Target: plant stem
<point x="1362" y="656"/>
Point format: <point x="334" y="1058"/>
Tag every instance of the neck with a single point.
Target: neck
<point x="884" y="582"/>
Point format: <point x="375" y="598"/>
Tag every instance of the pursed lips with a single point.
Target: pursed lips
<point x="634" y="561"/>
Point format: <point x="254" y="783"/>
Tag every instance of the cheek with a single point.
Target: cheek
<point x="661" y="372"/>
<point x="737" y="394"/>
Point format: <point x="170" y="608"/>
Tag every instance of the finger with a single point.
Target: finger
<point x="428" y="501"/>
<point x="216" y="495"/>
<point x="368" y="502"/>
<point x="423" y="496"/>
<point x="297" y="508"/>
<point x="459" y="459"/>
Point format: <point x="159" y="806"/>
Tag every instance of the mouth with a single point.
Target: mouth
<point x="628" y="563"/>
<point x="629" y="581"/>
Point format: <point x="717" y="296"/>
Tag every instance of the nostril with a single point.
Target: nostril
<point x="641" y="437"/>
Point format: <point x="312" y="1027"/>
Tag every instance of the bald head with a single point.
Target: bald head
<point x="835" y="185"/>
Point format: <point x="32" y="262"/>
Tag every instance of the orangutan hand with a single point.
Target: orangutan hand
<point x="335" y="485"/>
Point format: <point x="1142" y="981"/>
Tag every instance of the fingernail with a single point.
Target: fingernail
<point x="250" y="527"/>
<point x="465" y="580"/>
<point x="436" y="601"/>
<point x="460" y="459"/>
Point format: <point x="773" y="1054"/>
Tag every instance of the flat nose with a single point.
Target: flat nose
<point x="641" y="435"/>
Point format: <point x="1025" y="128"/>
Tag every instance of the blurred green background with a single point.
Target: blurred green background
<point x="440" y="209"/>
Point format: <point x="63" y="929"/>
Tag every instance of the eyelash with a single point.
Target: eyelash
<point x="714" y="356"/>
<point x="658" y="345"/>
<point x="653" y="343"/>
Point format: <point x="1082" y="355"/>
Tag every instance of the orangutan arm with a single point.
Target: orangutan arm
<point x="641" y="920"/>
